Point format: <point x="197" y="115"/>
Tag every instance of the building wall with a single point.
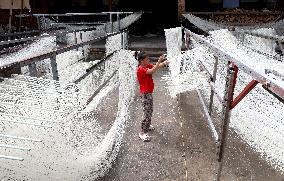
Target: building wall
<point x="181" y="8"/>
<point x="280" y="5"/>
<point x="6" y="4"/>
<point x="214" y="5"/>
<point x="231" y="3"/>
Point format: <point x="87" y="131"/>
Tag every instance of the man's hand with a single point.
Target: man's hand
<point x="166" y="62"/>
<point x="163" y="62"/>
<point x="161" y="59"/>
<point x="159" y="64"/>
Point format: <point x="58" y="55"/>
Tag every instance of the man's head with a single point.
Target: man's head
<point x="143" y="58"/>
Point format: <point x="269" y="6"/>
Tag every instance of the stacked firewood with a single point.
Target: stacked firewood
<point x="240" y="16"/>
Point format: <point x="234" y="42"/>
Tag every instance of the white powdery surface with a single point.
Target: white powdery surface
<point x="113" y="43"/>
<point x="73" y="149"/>
<point x="102" y="94"/>
<point x="173" y="41"/>
<point x="105" y="154"/>
<point x="203" y="24"/>
<point x="259" y="117"/>
<point x="228" y="43"/>
<point x="189" y="75"/>
<point x="81" y="37"/>
<point x="39" y="47"/>
<point x="261" y="44"/>
<point x="61" y="154"/>
<point x="71" y="65"/>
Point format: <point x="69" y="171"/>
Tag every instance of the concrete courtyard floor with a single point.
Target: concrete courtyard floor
<point x="181" y="147"/>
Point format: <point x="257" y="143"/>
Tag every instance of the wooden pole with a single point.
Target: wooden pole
<point x="10" y="16"/>
<point x="231" y="79"/>
<point x="213" y="80"/>
<point x="109" y="5"/>
<point x="181" y="8"/>
<point x="22" y="7"/>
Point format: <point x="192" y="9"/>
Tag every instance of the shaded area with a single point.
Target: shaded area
<point x="160" y="159"/>
<point x="241" y="162"/>
<point x="181" y="146"/>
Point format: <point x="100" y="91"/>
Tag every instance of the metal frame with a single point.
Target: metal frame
<point x="211" y="25"/>
<point x="100" y="88"/>
<point x="40" y="80"/>
<point x="55" y="74"/>
<point x="276" y="38"/>
<point x="15" y="147"/>
<point x="85" y="23"/>
<point x="26" y="123"/>
<point x="211" y="81"/>
<point x="110" y="14"/>
<point x="19" y="33"/>
<point x="43" y="91"/>
<point x="235" y="13"/>
<point x="263" y="79"/>
<point x="93" y="67"/>
<point x="32" y="69"/>
<point x="45" y="87"/>
<point x="53" y="54"/>
<point x="31" y="98"/>
<point x="213" y="90"/>
<point x="29" y="117"/>
<point x="11" y="158"/>
<point x="270" y="37"/>
<point x="208" y="119"/>
<point x="54" y="69"/>
<point x="88" y="101"/>
<point x="44" y="36"/>
<point x="228" y="96"/>
<point x="71" y="14"/>
<point x="228" y="102"/>
<point x="35" y="100"/>
<point x="19" y="138"/>
<point x="31" y="62"/>
<point x="246" y="90"/>
<point x="34" y="107"/>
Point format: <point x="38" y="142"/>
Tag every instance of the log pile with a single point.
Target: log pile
<point x="246" y="17"/>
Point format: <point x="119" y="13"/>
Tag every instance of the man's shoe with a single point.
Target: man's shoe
<point x="144" y="137"/>
<point x="151" y="128"/>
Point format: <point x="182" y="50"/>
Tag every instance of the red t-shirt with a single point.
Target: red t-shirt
<point x="145" y="80"/>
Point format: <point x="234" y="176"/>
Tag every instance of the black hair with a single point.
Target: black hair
<point x="136" y="55"/>
<point x="140" y="56"/>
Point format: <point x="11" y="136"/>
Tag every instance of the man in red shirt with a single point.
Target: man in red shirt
<point x="144" y="76"/>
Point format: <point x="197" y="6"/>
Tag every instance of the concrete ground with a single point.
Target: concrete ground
<point x="141" y="42"/>
<point x="149" y="41"/>
<point x="181" y="147"/>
